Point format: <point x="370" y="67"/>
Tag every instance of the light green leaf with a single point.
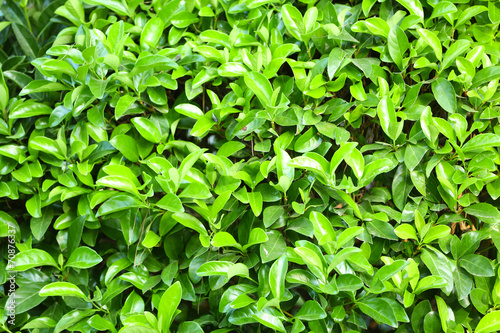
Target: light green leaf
<point x="190" y="221"/>
<point x="311" y="310"/>
<point x="293" y="21"/>
<point x="167" y="309"/>
<point x="255" y="199"/>
<point x="151" y="33"/>
<point x="260" y="86"/>
<point x="433" y="41"/>
<point x="323" y="229"/>
<point x="445" y="94"/>
<point x="147" y="129"/>
<point x="151" y="239"/>
<point x="398" y="44"/>
<point x="436" y="232"/>
<point x="485" y="75"/>
<point x="380" y="310"/>
<point x="477" y="265"/>
<point x="277" y="276"/>
<point x="489" y="323"/>
<point x="406" y="231"/>
<point x="118" y="182"/>
<point x="32" y="258"/>
<point x="413" y="6"/>
<point x="484" y="211"/>
<point x="222" y="239"/>
<point x="214" y="268"/>
<point x="83" y="257"/>
<point x="62" y="289"/>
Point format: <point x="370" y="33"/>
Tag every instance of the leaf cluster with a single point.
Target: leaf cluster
<point x="250" y="166"/>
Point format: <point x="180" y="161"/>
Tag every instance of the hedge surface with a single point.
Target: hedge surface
<point x="249" y="166"/>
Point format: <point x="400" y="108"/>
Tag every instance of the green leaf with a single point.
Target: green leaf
<point x="75" y="233"/>
<point x="62" y="289"/>
<point x="494" y="12"/>
<point x="398" y="45"/>
<point x="269" y="321"/>
<point x="481" y="142"/>
<point x="260" y="86"/>
<point x="71" y="318"/>
<point x="311" y="310"/>
<point x="445" y="94"/>
<point x="189" y="110"/>
<point x="152" y="61"/>
<point x="367" y="6"/>
<point x="348" y="234"/>
<point x="323" y="229"/>
<point x="222" y="239"/>
<point x="257" y="236"/>
<point x="151" y="239"/>
<point x="468" y="13"/>
<point x="202" y="126"/>
<point x="341" y="256"/>
<point x="401" y="186"/>
<point x="118" y="203"/>
<point x="118" y="182"/>
<point x="97" y="87"/>
<point x="26" y="40"/>
<point x="29" y="109"/>
<point x="455" y="50"/>
<point x="114" y="5"/>
<point x="485" y="75"/>
<point x="443" y="8"/>
<point x="255" y="199"/>
<point x="489" y="323"/>
<point x="387" y="116"/>
<point x="38" y="86"/>
<point x="380" y="310"/>
<point x="477" y="265"/>
<point x="190" y="221"/>
<point x="406" y="231"/>
<point x="439" y="265"/>
<point x="48" y="146"/>
<point x="293" y="21"/>
<point x="147" y="129"/>
<point x="171" y="202"/>
<point x="433" y="41"/>
<point x="485" y="212"/>
<point x="83" y="257"/>
<point x="273" y="248"/>
<point x="431" y="323"/>
<point x="25" y="298"/>
<point x="167" y="308"/>
<point x="127" y="146"/>
<point x="429" y="282"/>
<point x="378" y="26"/>
<point x="308" y="163"/>
<point x="436" y="232"/>
<point x="214" y="268"/>
<point x="413" y="155"/>
<point x="339" y="156"/>
<point x="123" y="104"/>
<point x="184" y="19"/>
<point x="335" y="61"/>
<point x="232" y="69"/>
<point x="277" y="276"/>
<point x="32" y="258"/>
<point x="413" y="6"/>
<point x="388" y="271"/>
<point x="151" y="33"/>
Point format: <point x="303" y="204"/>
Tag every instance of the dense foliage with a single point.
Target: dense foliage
<point x="249" y="166"/>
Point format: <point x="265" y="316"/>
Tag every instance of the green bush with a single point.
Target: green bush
<point x="249" y="166"/>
